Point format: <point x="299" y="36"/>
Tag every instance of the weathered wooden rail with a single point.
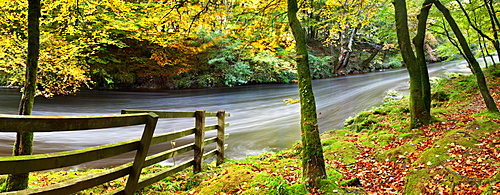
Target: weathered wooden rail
<point x="39" y="162"/>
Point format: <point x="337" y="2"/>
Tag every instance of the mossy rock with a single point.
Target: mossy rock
<point x="346" y="152"/>
<point x="397" y="153"/>
<point x="417" y="179"/>
<point x="440" y="96"/>
<point x="231" y="179"/>
<point x="354" y="182"/>
<point x="362" y="122"/>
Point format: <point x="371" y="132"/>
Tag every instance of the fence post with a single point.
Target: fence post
<point x="221" y="128"/>
<point x="199" y="140"/>
<point x="142" y="153"/>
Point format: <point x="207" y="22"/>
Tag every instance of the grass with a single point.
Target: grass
<point x="376" y="152"/>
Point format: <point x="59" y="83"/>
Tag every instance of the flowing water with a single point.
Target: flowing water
<point x="259" y="120"/>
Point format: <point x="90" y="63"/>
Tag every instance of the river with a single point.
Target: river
<point x="259" y="120"/>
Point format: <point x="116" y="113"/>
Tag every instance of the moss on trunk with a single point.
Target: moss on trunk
<point x="24" y="141"/>
<point x="312" y="154"/>
<point x="416" y="66"/>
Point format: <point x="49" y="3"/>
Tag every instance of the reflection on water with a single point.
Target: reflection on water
<point x="259" y="120"/>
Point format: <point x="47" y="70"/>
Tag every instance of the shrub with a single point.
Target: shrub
<point x="394" y="62"/>
<point x="268" y="68"/>
<point x="320" y="66"/>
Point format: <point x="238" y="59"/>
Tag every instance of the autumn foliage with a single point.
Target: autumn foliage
<point x="182" y="44"/>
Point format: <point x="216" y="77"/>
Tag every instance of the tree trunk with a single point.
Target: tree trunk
<point x="312" y="162"/>
<point x="333" y="53"/>
<point x="24" y="140"/>
<point x="312" y="31"/>
<point x="495" y="24"/>
<point x="419" y="105"/>
<point x="474" y="65"/>
<point x="432" y="57"/>
<point x="494" y="40"/>
<point x="488" y="53"/>
<point x="482" y="47"/>
<point x="419" y="43"/>
<point x="364" y="65"/>
<point x="345" y="52"/>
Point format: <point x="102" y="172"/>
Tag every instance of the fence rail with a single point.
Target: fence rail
<point x="29" y="163"/>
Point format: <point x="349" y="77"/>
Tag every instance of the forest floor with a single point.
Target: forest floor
<point x="375" y="153"/>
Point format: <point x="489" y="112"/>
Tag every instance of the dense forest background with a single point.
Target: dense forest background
<point x="172" y="44"/>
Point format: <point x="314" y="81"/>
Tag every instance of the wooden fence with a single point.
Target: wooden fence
<point x="39" y="162"/>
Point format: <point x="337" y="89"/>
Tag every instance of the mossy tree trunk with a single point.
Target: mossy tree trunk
<point x="419" y="43"/>
<point x="312" y="162"/>
<point x="474" y="65"/>
<point x="24" y="140"/>
<point x="416" y="65"/>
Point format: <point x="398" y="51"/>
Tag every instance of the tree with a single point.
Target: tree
<point x="495" y="24"/>
<point x="343" y="21"/>
<point x="416" y="65"/>
<point x="469" y="56"/>
<point x="312" y="154"/>
<point x="63" y="52"/>
<point x="493" y="20"/>
<point x="24" y="141"/>
<point x="419" y="43"/>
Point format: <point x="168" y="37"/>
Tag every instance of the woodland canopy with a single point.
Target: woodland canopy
<point x="208" y="43"/>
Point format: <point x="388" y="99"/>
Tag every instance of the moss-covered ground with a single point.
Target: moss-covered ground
<point x="375" y="153"/>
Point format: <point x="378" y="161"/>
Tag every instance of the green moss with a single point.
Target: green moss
<point x="407" y="135"/>
<point x="360" y="122"/>
<point x="395" y="154"/>
<point x="478" y="127"/>
<point x="334" y="175"/>
<point x="491" y="182"/>
<point x="337" y="147"/>
<point x="382" y="138"/>
<point x="46" y="178"/>
<point x="267" y="184"/>
<point x="233" y="178"/>
<point x="440" y="96"/>
<point x="487" y="115"/>
<point x="437" y="154"/>
<point x="298" y="189"/>
<point x="329" y="186"/>
<point x="433" y="157"/>
<point x="340" y="150"/>
<point x="415" y="181"/>
<point x="3" y="184"/>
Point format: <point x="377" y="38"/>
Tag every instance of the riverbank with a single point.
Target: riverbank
<point x="376" y="152"/>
